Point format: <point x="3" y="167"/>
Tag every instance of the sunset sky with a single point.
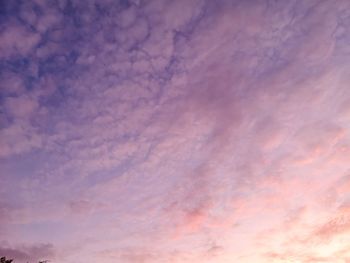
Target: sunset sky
<point x="175" y="131"/>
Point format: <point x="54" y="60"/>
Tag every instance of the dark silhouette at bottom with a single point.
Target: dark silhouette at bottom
<point x="4" y="260"/>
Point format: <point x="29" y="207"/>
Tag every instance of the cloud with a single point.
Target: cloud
<point x="175" y="124"/>
<point x="334" y="227"/>
<point x="20" y="137"/>
<point x="21" y="107"/>
<point x="17" y="40"/>
<point x="131" y="255"/>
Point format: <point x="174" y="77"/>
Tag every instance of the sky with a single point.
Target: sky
<point x="187" y="131"/>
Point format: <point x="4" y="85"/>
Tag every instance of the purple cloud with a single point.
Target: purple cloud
<point x="174" y="131"/>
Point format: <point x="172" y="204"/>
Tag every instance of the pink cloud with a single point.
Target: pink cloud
<point x="17" y="39"/>
<point x="20" y="137"/>
<point x="21" y="107"/>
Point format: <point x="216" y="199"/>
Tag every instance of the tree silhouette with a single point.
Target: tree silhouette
<point x="4" y="260"/>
